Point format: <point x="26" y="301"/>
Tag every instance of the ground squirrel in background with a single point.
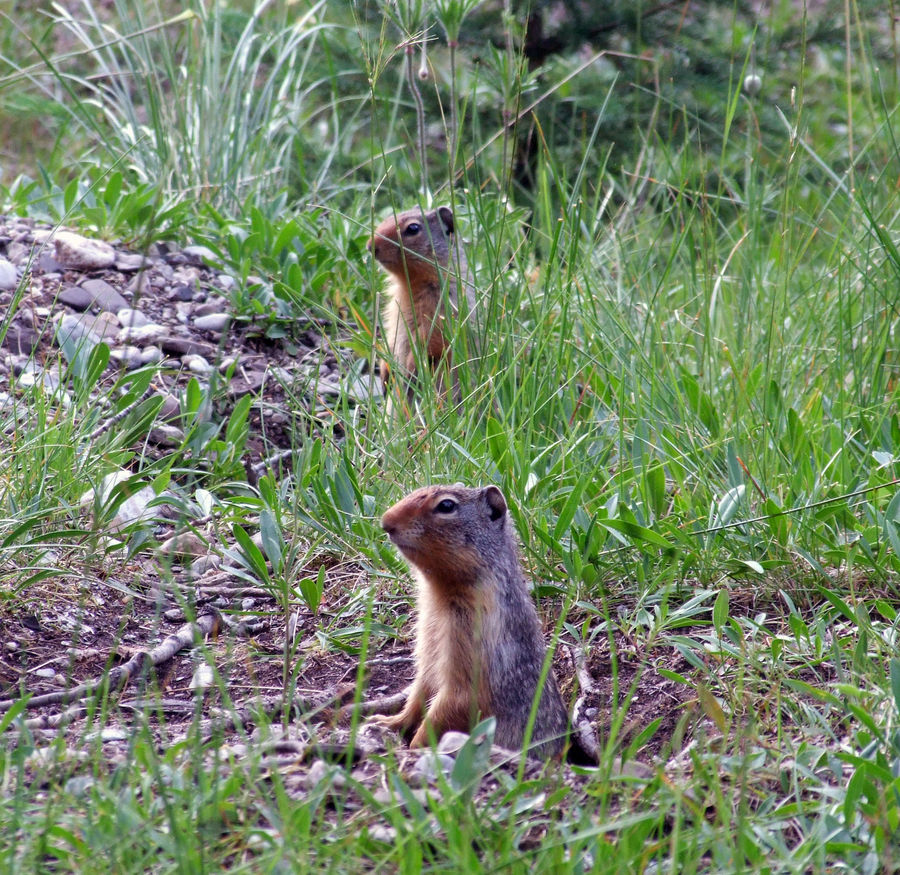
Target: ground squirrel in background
<point x="479" y="650"/>
<point x="426" y="267"/>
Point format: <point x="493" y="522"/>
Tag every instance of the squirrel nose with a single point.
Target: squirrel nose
<point x="370" y="244"/>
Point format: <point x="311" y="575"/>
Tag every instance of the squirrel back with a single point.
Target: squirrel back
<point x="479" y="648"/>
<point x="426" y="265"/>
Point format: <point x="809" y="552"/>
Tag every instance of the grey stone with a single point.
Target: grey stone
<point x="8" y="278"/>
<point x="212" y="322"/>
<point x="200" y="253"/>
<point x="80" y="253"/>
<point x="150" y="355"/>
<point x="20" y="338"/>
<point x="166" y="436"/>
<point x="142" y="334"/>
<point x="198" y="365"/>
<point x="75" y="297"/>
<point x="212" y="305"/>
<point x="131" y="318"/>
<point x="129" y="356"/>
<point x="48" y="265"/>
<point x="71" y="330"/>
<point x="128" y="261"/>
<point x="185" y="544"/>
<point x="104" y="296"/>
<point x="205" y="563"/>
<point x="184" y="346"/>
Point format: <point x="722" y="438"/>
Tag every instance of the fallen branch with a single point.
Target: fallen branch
<point x="207" y="624"/>
<point x="582" y="729"/>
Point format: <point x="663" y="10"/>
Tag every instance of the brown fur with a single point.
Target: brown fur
<point x="479" y="650"/>
<point x="418" y="251"/>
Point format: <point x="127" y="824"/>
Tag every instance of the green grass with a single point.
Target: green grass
<point x="687" y="390"/>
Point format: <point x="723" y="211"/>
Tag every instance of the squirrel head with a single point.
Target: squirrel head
<point x="450" y="533"/>
<point x="414" y="232"/>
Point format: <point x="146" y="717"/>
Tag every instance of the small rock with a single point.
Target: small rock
<point x="128" y="356"/>
<point x="72" y="332"/>
<point x="131" y="510"/>
<point x="21" y="338"/>
<point x="166" y="436"/>
<point x="48" y="265"/>
<point x="184" y="346"/>
<point x="151" y="355"/>
<point x="130" y="318"/>
<point x="75" y="297"/>
<point x="213" y="305"/>
<point x="140" y="285"/>
<point x="226" y="283"/>
<point x="203" y="677"/>
<point x="200" y="566"/>
<point x="428" y="766"/>
<point x="247" y="604"/>
<point x="150" y="331"/>
<point x="104" y="296"/>
<point x="452" y="742"/>
<point x="8" y="278"/>
<point x="17" y="252"/>
<point x="199" y="254"/>
<point x="171" y="408"/>
<point x="197" y="364"/>
<point x="77" y="252"/>
<point x="45" y="672"/>
<point x="185" y="544"/>
<point x="183" y="292"/>
<point x="212" y="322"/>
<point x="128" y="261"/>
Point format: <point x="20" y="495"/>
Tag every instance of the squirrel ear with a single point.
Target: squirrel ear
<point x="495" y="501"/>
<point x="445" y="214"/>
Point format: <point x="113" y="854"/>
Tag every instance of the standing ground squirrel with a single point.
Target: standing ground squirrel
<point x="479" y="650"/>
<point x="418" y="251"/>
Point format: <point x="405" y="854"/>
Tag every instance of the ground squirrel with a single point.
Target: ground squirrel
<point x="479" y="650"/>
<point x="426" y="267"/>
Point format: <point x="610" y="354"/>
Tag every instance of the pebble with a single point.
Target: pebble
<point x="129" y="356"/>
<point x="128" y="261"/>
<point x="197" y="364"/>
<point x="130" y="318"/>
<point x="151" y="355"/>
<point x="133" y="509"/>
<point x="20" y="338"/>
<point x="8" y="277"/>
<point x="165" y="436"/>
<point x="200" y="566"/>
<point x="184" y="544"/>
<point x="75" y="297"/>
<point x="138" y="333"/>
<point x="212" y="322"/>
<point x="184" y="346"/>
<point x="104" y="296"/>
<point x="200" y="253"/>
<point x="72" y="331"/>
<point x="428" y="766"/>
<point x="75" y="252"/>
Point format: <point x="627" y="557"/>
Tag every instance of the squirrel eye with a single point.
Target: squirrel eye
<point x="448" y="505"/>
<point x="412" y="229"/>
